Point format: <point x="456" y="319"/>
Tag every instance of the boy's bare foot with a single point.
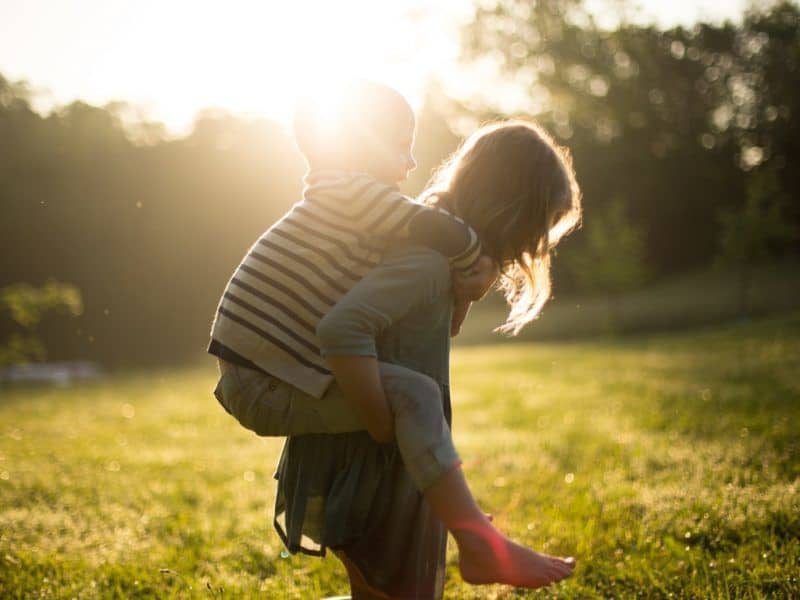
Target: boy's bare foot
<point x="487" y="556"/>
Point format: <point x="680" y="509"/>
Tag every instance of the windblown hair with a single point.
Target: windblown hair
<point x="516" y="187"/>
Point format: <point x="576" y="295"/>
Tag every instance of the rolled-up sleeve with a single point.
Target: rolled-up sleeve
<point x="405" y="279"/>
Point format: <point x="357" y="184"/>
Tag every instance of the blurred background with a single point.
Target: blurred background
<point x="144" y="146"/>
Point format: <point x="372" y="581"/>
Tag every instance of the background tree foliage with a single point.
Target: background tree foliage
<point x="23" y="307"/>
<point x="149" y="232"/>
<point x="673" y="123"/>
<point x="750" y="232"/>
<point x="611" y="259"/>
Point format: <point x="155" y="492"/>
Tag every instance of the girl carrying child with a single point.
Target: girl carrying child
<point x="516" y="189"/>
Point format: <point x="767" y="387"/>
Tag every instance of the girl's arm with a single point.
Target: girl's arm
<point x="347" y="334"/>
<point x="470" y="286"/>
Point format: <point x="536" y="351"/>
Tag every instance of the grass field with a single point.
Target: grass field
<point x="668" y="464"/>
<point x="701" y="297"/>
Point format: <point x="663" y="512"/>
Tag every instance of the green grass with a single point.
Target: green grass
<point x="668" y="464"/>
<point x="701" y="297"/>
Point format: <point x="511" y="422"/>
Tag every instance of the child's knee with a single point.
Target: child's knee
<point x="412" y="383"/>
<point x="415" y="394"/>
<point x="426" y="387"/>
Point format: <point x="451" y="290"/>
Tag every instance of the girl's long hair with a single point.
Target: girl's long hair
<point x="516" y="187"/>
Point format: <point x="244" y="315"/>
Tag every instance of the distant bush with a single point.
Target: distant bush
<point x="25" y="305"/>
<point x="747" y="232"/>
<point x="611" y="259"/>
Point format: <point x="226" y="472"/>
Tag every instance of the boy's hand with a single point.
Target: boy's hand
<point x="473" y="284"/>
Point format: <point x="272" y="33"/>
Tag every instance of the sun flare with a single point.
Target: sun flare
<point x="258" y="58"/>
<point x="172" y="59"/>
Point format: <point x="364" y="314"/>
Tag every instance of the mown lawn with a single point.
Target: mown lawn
<point x="669" y="465"/>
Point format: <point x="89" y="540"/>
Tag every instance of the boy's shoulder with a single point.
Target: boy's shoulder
<point x="333" y="184"/>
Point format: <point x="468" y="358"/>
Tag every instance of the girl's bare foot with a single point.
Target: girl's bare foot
<point x="487" y="556"/>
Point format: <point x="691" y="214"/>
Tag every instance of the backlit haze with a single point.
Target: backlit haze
<point x="172" y="59"/>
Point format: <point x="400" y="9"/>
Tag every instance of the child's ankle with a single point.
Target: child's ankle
<point x="479" y="532"/>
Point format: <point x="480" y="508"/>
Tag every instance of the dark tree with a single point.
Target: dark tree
<point x="673" y="121"/>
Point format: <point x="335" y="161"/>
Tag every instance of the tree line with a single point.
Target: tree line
<point x="683" y="140"/>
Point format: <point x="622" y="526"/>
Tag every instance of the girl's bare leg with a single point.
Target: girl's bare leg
<point x="485" y="554"/>
<point x="359" y="588"/>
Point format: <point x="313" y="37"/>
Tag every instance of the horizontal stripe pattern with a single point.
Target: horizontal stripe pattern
<point x="469" y="257"/>
<point x="277" y="342"/>
<point x="302" y="265"/>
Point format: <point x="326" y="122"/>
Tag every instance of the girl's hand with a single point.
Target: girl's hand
<point x="460" y="311"/>
<point x="470" y="286"/>
<point x="474" y="284"/>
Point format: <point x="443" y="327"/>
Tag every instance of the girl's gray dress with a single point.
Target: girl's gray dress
<point x="347" y="492"/>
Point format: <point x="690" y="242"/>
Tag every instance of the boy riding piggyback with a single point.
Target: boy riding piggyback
<point x="265" y="330"/>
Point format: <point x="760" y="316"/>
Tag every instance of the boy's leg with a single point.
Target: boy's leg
<point x="264" y="404"/>
<point x="421" y="431"/>
<point x="271" y="407"/>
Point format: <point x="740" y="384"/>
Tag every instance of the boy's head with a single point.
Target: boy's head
<point x="365" y="126"/>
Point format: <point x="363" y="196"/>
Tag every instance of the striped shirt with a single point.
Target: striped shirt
<point x="301" y="266"/>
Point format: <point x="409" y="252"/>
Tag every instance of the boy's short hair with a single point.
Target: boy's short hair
<point x="344" y="128"/>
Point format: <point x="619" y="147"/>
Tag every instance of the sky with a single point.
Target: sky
<point x="172" y="58"/>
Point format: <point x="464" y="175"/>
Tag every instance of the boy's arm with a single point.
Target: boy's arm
<point x="386" y="215"/>
<point x="447" y="234"/>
